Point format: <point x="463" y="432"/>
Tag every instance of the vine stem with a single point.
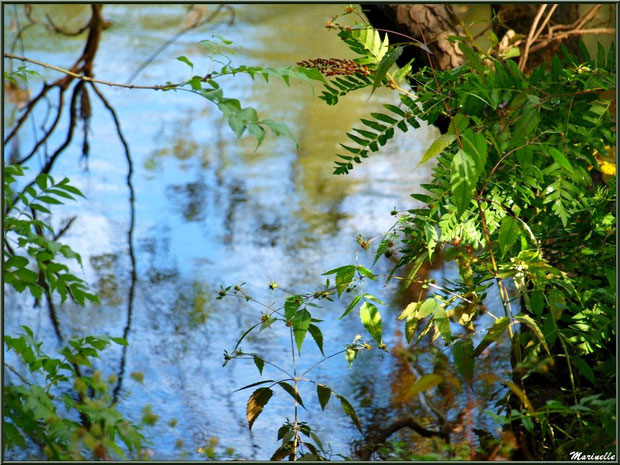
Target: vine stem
<point x="296" y="379"/>
<point x="88" y="78"/>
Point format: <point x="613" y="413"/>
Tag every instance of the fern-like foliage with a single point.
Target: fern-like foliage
<point x="341" y="86"/>
<point x="375" y="134"/>
<point x="366" y="42"/>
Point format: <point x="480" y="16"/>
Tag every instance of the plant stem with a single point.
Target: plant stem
<point x="295" y="425"/>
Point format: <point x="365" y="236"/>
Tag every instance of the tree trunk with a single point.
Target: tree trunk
<point x="431" y="24"/>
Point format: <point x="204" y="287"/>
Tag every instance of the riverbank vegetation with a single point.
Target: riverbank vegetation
<point x="521" y="202"/>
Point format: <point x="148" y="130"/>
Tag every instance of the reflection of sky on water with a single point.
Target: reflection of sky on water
<point x="211" y="211"/>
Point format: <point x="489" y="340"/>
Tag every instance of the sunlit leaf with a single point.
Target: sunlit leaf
<point x="494" y="333"/>
<point x="509" y="232"/>
<point x="463" y="180"/>
<point x="530" y="323"/>
<point x="437" y="147"/>
<point x="425" y="383"/>
<point x="301" y="323"/>
<point x="256" y="403"/>
<point x="371" y="319"/>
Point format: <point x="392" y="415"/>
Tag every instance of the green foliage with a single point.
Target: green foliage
<point x="512" y="198"/>
<point x="43" y="411"/>
<point x="295" y="314"/>
<point x="26" y="232"/>
<point x="21" y="73"/>
<point x="239" y="118"/>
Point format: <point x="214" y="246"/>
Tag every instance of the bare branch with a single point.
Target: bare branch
<point x="88" y="78"/>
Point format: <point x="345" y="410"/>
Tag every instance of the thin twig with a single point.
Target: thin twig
<point x="166" y="44"/>
<point x="568" y="34"/>
<point x="49" y="131"/>
<point x="544" y="23"/>
<point x="91" y="79"/>
<point x="530" y="36"/>
<point x="10" y="367"/>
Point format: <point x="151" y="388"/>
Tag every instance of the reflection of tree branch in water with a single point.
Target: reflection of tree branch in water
<point x="195" y="24"/>
<point x="82" y="70"/>
<point x="379" y="437"/>
<point x="132" y="257"/>
<point x="83" y="65"/>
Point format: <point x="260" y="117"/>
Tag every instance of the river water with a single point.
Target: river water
<point x="212" y="211"/>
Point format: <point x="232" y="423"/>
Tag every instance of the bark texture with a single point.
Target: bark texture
<point x="429" y="23"/>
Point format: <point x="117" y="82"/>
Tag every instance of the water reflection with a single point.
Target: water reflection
<point x="209" y="211"/>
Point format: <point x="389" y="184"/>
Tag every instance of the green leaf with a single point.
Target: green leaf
<point x="344" y="276"/>
<point x="291" y="305"/>
<point x="26" y="275"/>
<point x="312" y="73"/>
<point x="427" y="308"/>
<point x="49" y="200"/>
<point x="371" y="319"/>
<point x="494" y="333"/>
<point x="301" y="323"/>
<point x="349" y="411"/>
<point x="430" y="234"/>
<point x="463" y="180"/>
<point x="366" y="272"/>
<point x="463" y="354"/>
<point x="316" y="334"/>
<point x="512" y="53"/>
<point x="237" y="125"/>
<point x="259" y="362"/>
<point x="409" y="311"/>
<point x="425" y="383"/>
<point x="561" y="160"/>
<point x="256" y="403"/>
<point x="350" y="355"/>
<point x="41" y="181"/>
<point x="351" y="306"/>
<point x="442" y="323"/>
<point x="437" y="147"/>
<point x="537" y="302"/>
<point x="324" y="393"/>
<point x="16" y="261"/>
<point x="529" y="322"/>
<point x="279" y="129"/>
<point x="254" y="384"/>
<point x="374" y="299"/>
<point x="384" y="66"/>
<point x="472" y="57"/>
<point x="475" y="144"/>
<point x="410" y="326"/>
<point x="556" y="67"/>
<point x="248" y="115"/>
<point x="584" y="369"/>
<point x="291" y="390"/>
<point x="401" y="73"/>
<point x="186" y="61"/>
<point x="258" y="133"/>
<point x="525" y="124"/>
<point x="509" y="232"/>
<point x="600" y="55"/>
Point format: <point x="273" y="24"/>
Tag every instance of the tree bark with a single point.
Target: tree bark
<point x="428" y="23"/>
